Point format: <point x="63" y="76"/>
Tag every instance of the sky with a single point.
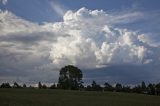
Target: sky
<point x="115" y="41"/>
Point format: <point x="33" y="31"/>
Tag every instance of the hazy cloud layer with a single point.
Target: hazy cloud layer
<point x="4" y="2"/>
<point x="24" y="47"/>
<point x="30" y="52"/>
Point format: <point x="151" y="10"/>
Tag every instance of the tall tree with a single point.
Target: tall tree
<point x="118" y="87"/>
<point x="143" y="86"/>
<point x="70" y="77"/>
<point x="39" y="85"/>
<point x="94" y="84"/>
<point x="24" y="86"/>
<point x="158" y="89"/>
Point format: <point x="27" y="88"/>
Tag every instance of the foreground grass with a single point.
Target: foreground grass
<point x="47" y="97"/>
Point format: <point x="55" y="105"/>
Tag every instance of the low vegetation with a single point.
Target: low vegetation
<point x="50" y="97"/>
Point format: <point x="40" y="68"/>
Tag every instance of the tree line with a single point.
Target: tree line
<point x="70" y="78"/>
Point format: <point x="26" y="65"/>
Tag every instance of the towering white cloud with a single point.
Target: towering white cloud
<point x="85" y="38"/>
<point x="89" y="40"/>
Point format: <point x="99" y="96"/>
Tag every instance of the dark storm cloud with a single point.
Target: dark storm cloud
<point x="126" y="74"/>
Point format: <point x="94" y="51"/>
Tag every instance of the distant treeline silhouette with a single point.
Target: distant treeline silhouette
<point x="151" y="89"/>
<point x="70" y="78"/>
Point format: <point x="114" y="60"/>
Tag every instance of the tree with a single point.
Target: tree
<point x="95" y="86"/>
<point x="137" y="89"/>
<point x="16" y="85"/>
<point x="70" y="77"/>
<point x="39" y="85"/>
<point x="24" y="86"/>
<point x="88" y="88"/>
<point x="5" y="85"/>
<point x="118" y="87"/>
<point x="44" y="86"/>
<point x="53" y="86"/>
<point x="108" y="87"/>
<point x="157" y="89"/>
<point x="143" y="86"/>
<point x="151" y="89"/>
<point x="126" y="89"/>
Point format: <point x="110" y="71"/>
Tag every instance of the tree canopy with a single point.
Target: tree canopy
<point x="70" y="77"/>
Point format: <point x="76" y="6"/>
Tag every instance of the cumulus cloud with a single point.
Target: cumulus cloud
<point x="85" y="38"/>
<point x="92" y="41"/>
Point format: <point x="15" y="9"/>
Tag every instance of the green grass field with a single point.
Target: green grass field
<point x="48" y="97"/>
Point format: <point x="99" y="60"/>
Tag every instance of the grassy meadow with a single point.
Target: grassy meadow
<point x="49" y="97"/>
